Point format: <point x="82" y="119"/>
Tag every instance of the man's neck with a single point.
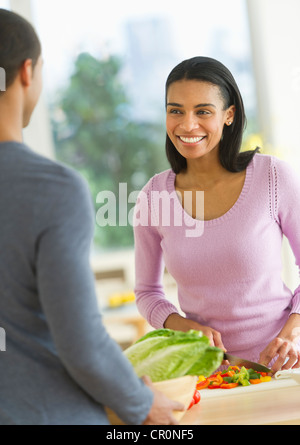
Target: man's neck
<point x="9" y="129"/>
<point x="11" y="118"/>
<point x="10" y="136"/>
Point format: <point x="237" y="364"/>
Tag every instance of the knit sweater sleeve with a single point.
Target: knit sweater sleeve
<point x="67" y="294"/>
<point x="149" y="265"/>
<point x="286" y="204"/>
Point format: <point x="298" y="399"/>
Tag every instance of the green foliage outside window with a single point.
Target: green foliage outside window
<point x="95" y="134"/>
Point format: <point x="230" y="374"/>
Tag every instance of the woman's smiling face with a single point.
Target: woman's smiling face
<point x="196" y="115"/>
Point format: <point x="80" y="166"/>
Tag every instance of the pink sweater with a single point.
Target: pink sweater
<point x="228" y="277"/>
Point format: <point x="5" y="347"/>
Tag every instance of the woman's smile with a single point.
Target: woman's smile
<point x="188" y="140"/>
<point x="196" y="115"/>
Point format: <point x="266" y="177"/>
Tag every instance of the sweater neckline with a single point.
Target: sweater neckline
<point x="211" y="222"/>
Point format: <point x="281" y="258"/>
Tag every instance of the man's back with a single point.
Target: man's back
<point x="57" y="350"/>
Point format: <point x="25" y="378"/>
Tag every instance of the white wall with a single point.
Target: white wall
<point x="38" y="134"/>
<point x="275" y="35"/>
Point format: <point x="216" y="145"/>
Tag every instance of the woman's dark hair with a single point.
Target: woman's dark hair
<point x="211" y="71"/>
<point x="18" y="42"/>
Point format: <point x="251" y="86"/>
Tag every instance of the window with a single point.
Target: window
<point x="4" y="4"/>
<point x="105" y="70"/>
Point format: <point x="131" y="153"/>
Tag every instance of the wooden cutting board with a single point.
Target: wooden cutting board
<point x="180" y="390"/>
<point x="266" y="386"/>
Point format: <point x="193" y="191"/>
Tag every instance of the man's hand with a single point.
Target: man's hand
<point x="161" y="412"/>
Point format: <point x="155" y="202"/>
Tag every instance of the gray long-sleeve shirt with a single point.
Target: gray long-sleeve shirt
<point x="60" y="365"/>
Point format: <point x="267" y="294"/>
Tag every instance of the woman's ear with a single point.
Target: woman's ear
<point x="230" y="113"/>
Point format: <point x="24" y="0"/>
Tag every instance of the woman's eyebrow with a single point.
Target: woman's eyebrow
<point x="174" y="104"/>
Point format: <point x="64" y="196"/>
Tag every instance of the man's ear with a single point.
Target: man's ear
<point x="26" y="73"/>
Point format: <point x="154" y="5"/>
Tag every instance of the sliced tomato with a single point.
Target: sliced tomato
<point x="196" y="397"/>
<point x="192" y="403"/>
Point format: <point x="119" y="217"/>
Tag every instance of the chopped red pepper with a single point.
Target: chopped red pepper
<point x="235" y="368"/>
<point x="216" y="378"/>
<point x="229" y="385"/>
<point x="202" y="385"/>
<point x="215" y="382"/>
<point x="213" y="385"/>
<point x="255" y="381"/>
<point x="228" y="374"/>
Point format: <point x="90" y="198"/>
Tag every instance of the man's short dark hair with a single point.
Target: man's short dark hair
<point x="18" y="42"/>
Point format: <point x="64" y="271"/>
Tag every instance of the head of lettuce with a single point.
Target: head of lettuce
<point x="165" y="354"/>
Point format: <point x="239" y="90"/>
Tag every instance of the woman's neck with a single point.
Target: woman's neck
<point x="203" y="172"/>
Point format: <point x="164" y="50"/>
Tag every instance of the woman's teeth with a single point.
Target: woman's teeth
<point x="191" y="140"/>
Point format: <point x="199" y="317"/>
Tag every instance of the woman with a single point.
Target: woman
<point x="228" y="271"/>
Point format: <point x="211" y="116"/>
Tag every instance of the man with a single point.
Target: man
<point x="60" y="365"/>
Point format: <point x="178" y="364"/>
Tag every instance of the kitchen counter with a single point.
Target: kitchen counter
<point x="271" y="403"/>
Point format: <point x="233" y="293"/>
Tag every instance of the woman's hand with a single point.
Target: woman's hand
<point x="179" y="323"/>
<point x="285" y="346"/>
<point x="286" y="350"/>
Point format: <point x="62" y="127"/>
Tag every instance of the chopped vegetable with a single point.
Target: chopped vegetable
<point x="201" y="378"/>
<point x="215" y="381"/>
<point x="267" y="378"/>
<point x="255" y="381"/>
<point x="192" y="403"/>
<point x="196" y="399"/>
<point x="165" y="354"/>
<point x="229" y="385"/>
<point x="203" y="384"/>
<point x="233" y="377"/>
<point x="213" y="385"/>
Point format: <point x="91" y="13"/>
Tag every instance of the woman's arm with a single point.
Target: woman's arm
<point x="285" y="345"/>
<point x="286" y="209"/>
<point x="149" y="266"/>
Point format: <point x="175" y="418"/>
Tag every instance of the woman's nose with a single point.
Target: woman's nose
<point x="189" y="123"/>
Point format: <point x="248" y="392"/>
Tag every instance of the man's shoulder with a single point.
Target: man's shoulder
<point x="45" y="171"/>
<point x="47" y="179"/>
